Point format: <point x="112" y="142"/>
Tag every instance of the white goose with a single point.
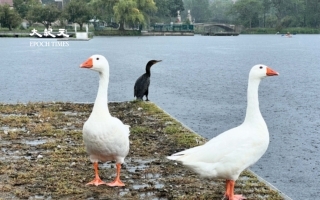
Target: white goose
<point x="231" y="152"/>
<point x="106" y="138"/>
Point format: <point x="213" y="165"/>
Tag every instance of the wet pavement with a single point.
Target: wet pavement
<point x="201" y="81"/>
<point x="47" y="159"/>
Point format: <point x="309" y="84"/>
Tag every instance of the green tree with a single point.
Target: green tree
<point x="23" y="7"/>
<point x="147" y="8"/>
<point x="174" y="6"/>
<point x="167" y="9"/>
<point x="103" y="9"/>
<point x="45" y="14"/>
<point x="247" y="12"/>
<point x="266" y="5"/>
<point x="162" y="8"/>
<point x="199" y="9"/>
<point x="78" y="12"/>
<point x="126" y="11"/>
<point x="312" y="13"/>
<point x="282" y="9"/>
<point x="9" y="18"/>
<point x="219" y="11"/>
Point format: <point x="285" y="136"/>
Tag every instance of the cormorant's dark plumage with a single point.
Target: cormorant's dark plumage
<point x="141" y="87"/>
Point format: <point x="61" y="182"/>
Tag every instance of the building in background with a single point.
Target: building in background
<point x="9" y="2"/>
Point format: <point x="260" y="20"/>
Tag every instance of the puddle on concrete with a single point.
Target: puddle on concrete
<point x="9" y="155"/>
<point x="13" y="115"/>
<point x="139" y="186"/>
<point x="152" y="175"/>
<point x="3" y="128"/>
<point x="7" y="129"/>
<point x="4" y="142"/>
<point x="39" y="197"/>
<point x="35" y="142"/>
<point x="28" y="142"/>
<point x="148" y="195"/>
<point x="159" y="185"/>
<point x="70" y="113"/>
<point x="124" y="192"/>
<point x="4" y="158"/>
<point x="135" y="165"/>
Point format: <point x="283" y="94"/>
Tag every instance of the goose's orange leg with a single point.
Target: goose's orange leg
<point x="117" y="181"/>
<point x="227" y="189"/>
<point x="96" y="181"/>
<point x="230" y="191"/>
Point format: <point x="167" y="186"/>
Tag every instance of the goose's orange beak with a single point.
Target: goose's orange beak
<point x="271" y="72"/>
<point x="87" y="64"/>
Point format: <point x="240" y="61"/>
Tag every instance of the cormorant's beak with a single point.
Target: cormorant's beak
<point x="271" y="72"/>
<point x="157" y="61"/>
<point x="87" y="64"/>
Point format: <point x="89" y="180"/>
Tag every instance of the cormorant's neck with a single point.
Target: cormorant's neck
<point x="148" y="67"/>
<point x="101" y="102"/>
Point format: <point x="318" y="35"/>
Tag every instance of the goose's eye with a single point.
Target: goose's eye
<point x="97" y="58"/>
<point x="260" y="67"/>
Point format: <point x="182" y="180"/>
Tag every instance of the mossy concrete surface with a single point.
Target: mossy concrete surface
<point x="43" y="156"/>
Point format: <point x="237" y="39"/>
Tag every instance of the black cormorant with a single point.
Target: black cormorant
<point x="141" y="87"/>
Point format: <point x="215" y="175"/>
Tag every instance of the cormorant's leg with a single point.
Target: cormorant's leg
<point x="147" y="92"/>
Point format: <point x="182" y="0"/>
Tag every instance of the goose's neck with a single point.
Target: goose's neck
<point x="253" y="110"/>
<point x="101" y="102"/>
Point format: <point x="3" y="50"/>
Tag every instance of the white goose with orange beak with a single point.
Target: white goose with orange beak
<point x="231" y="152"/>
<point x="106" y="138"/>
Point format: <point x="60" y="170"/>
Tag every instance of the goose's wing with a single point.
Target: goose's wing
<point x="226" y="155"/>
<point x="229" y="145"/>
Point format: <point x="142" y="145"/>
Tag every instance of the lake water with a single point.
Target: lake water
<point x="201" y="81"/>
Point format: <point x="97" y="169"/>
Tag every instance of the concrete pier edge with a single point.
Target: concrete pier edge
<point x="272" y="187"/>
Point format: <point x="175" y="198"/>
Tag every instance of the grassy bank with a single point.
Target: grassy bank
<point x="43" y="156"/>
<point x="117" y="33"/>
<point x="91" y="34"/>
<point x="296" y="30"/>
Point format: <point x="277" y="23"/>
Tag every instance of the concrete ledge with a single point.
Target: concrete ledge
<point x="74" y="39"/>
<point x="168" y="33"/>
<point x="283" y="195"/>
<point x="43" y="148"/>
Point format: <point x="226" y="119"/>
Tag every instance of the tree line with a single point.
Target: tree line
<point x="131" y="13"/>
<point x="124" y="12"/>
<point x="257" y="13"/>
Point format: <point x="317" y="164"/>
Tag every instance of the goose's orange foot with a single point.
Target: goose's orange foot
<point x="116" y="183"/>
<point x="237" y="197"/>
<point x="96" y="182"/>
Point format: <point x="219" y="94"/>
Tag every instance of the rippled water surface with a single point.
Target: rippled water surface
<point x="201" y="81"/>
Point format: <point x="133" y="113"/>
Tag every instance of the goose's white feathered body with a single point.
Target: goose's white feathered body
<point x="228" y="154"/>
<point x="106" y="138"/>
